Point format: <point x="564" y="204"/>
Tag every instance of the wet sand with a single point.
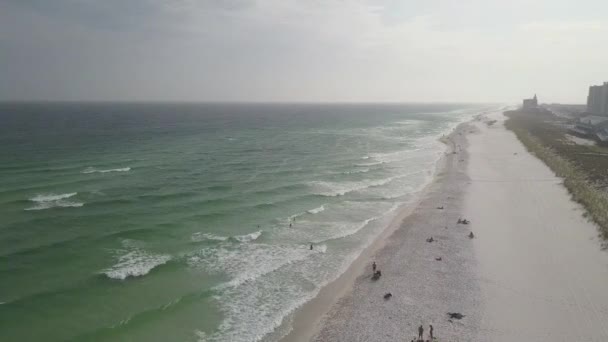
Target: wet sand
<point x="535" y="270"/>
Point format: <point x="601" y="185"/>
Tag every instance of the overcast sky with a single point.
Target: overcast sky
<point x="302" y="50"/>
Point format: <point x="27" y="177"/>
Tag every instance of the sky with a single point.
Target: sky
<point x="302" y="50"/>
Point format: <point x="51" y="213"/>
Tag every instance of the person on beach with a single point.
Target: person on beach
<point x="430" y="332"/>
<point x="420" y="332"/>
<point x="374" y="267"/>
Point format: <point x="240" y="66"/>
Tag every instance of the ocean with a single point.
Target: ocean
<point x="193" y="222"/>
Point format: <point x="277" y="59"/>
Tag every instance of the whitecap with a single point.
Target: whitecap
<point x="320" y="248"/>
<point x="135" y="262"/>
<point x="316" y="210"/>
<point x="47" y="201"/>
<point x="94" y="170"/>
<point x="52" y="197"/>
<point x="248" y="237"/>
<point x="197" y="237"/>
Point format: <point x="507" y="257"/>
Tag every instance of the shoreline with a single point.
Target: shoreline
<point x="309" y="320"/>
<point x="535" y="269"/>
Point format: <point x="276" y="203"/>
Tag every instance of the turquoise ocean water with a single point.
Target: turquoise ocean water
<point x="171" y="222"/>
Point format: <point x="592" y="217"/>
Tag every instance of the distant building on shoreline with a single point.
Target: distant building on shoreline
<point x="530" y="104"/>
<point x="597" y="100"/>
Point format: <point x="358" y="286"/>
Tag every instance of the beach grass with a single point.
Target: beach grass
<point x="583" y="168"/>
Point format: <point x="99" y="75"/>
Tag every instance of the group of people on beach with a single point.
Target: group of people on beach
<point x="376" y="273"/>
<point x="421" y="333"/>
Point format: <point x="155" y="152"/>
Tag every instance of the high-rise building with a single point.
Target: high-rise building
<point x="597" y="100"/>
<point x="530" y="103"/>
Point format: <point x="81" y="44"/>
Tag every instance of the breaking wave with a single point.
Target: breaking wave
<point x="47" y="201"/>
<point x="316" y="210"/>
<point x="198" y="237"/>
<point x="135" y="262"/>
<point x="248" y="237"/>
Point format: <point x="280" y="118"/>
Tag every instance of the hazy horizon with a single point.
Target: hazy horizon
<point x="294" y="51"/>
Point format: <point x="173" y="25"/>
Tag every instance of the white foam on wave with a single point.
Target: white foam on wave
<point x="320" y="248"/>
<point x="247" y="262"/>
<point x="316" y="210"/>
<point x="356" y="171"/>
<point x="370" y="163"/>
<point x="47" y="201"/>
<point x="197" y="237"/>
<point x="310" y="211"/>
<point x="256" y="300"/>
<point x="253" y="307"/>
<point x="248" y="237"/>
<point x="52" y="197"/>
<point x="333" y="189"/>
<point x="134" y="261"/>
<point x="94" y="170"/>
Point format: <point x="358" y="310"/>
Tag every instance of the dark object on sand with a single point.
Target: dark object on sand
<point x="463" y="221"/>
<point x="374" y="267"/>
<point x="471" y="235"/>
<point x="388" y="295"/>
<point x="455" y="315"/>
<point x="311" y="246"/>
<point x="377" y="275"/>
<point x="438" y="259"/>
<point x="440" y="208"/>
<point x="430" y="239"/>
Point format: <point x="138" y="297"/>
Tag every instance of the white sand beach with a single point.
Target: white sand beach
<point x="542" y="272"/>
<point x="535" y="270"/>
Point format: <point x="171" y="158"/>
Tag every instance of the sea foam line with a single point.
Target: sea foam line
<point x="94" y="170"/>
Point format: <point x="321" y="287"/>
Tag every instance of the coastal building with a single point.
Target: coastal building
<point x="530" y="103"/>
<point x="594" y="122"/>
<point x="592" y="127"/>
<point x="597" y="100"/>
